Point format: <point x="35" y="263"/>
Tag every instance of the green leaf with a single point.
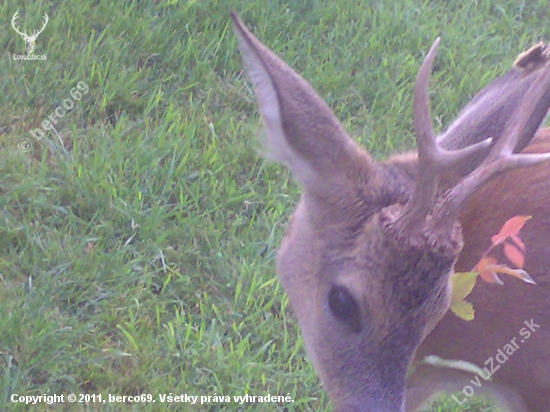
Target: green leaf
<point x="464" y="310"/>
<point x="462" y="284"/>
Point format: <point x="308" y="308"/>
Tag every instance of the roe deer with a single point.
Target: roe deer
<point x="369" y="251"/>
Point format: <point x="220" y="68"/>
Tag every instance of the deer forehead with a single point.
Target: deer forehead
<point x="317" y="254"/>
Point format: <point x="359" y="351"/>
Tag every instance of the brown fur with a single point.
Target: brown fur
<point x="371" y="294"/>
<point x="502" y="310"/>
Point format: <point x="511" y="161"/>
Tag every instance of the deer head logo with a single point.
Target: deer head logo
<point x="30" y="40"/>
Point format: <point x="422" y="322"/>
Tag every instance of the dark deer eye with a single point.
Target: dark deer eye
<point x="344" y="307"/>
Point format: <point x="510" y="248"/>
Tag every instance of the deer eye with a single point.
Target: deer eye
<point x="344" y="307"/>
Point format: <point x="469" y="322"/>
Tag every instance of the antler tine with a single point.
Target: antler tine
<point x="425" y="136"/>
<point x="46" y="20"/>
<point x="35" y="33"/>
<point x="501" y="158"/>
<point x="13" y="19"/>
<point x="433" y="160"/>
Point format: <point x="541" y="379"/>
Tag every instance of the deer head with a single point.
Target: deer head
<point x="30" y="40"/>
<point x="368" y="252"/>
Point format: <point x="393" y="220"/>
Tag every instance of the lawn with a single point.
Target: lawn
<point x="137" y="239"/>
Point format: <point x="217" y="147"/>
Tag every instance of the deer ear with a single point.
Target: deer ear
<point x="489" y="110"/>
<point x="301" y="129"/>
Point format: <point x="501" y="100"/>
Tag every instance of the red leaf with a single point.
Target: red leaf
<point x="519" y="243"/>
<point x="514" y="255"/>
<point x="510" y="228"/>
<point x="485" y="271"/>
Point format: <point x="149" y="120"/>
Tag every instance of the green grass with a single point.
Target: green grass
<point x="137" y="251"/>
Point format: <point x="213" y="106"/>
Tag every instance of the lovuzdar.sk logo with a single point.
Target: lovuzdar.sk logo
<point x="30" y="40"/>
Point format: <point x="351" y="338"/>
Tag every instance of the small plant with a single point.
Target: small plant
<point x="488" y="267"/>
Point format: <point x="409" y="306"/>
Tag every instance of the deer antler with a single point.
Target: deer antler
<point x="434" y="161"/>
<point x="13" y="19"/>
<point x="501" y="158"/>
<point x="37" y="32"/>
